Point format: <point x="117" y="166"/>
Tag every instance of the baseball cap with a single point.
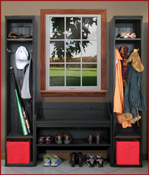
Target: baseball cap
<point x="21" y="56"/>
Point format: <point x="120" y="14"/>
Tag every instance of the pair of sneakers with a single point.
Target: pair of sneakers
<point x="91" y="160"/>
<point x="52" y="160"/>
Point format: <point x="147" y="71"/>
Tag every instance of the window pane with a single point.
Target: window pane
<point x="57" y="51"/>
<point x="73" y="51"/>
<point x="89" y="51"/>
<point x="57" y="28"/>
<point x="73" y="28"/>
<point x="57" y="75"/>
<point x="73" y="74"/>
<point x="89" y="75"/>
<point x="89" y="28"/>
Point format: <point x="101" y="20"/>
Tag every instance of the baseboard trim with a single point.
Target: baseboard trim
<point x="65" y="154"/>
<point x="2" y="155"/>
<point x="144" y="156"/>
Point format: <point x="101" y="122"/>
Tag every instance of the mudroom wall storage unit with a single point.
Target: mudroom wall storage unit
<point x="13" y="129"/>
<point x="119" y="24"/>
<point x="78" y="119"/>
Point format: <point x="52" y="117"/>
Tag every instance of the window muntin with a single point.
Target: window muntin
<point x="75" y="54"/>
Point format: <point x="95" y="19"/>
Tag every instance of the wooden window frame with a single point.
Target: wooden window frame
<point x="73" y="93"/>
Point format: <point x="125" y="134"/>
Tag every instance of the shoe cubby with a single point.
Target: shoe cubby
<point x="128" y="24"/>
<point x="24" y="25"/>
<point x="78" y="119"/>
<point x="79" y="136"/>
<point x="117" y="25"/>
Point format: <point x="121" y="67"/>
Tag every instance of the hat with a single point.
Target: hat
<point x="21" y="56"/>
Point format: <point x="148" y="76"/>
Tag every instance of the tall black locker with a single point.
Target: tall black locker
<point x="119" y="24"/>
<point x="13" y="130"/>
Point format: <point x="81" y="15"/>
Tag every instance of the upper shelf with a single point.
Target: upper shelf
<point x="128" y="39"/>
<point x="20" y="40"/>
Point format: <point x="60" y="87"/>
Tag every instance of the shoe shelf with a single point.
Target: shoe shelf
<point x="78" y="119"/>
<point x="77" y="142"/>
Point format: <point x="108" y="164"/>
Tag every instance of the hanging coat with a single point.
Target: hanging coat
<point x="134" y="98"/>
<point x="119" y="93"/>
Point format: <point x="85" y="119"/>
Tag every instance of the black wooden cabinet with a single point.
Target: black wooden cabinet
<point x="13" y="130"/>
<point x="79" y="119"/>
<point x="119" y="24"/>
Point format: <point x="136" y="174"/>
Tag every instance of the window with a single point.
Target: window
<point x="71" y="52"/>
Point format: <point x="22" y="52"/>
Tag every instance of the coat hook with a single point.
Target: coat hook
<point x="8" y="50"/>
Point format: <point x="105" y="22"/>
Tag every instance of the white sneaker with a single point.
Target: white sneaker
<point x="55" y="160"/>
<point x="46" y="160"/>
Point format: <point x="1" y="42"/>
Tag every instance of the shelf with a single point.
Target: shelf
<point x="73" y="123"/>
<point x="18" y="135"/>
<point x="20" y="40"/>
<point x="76" y="142"/>
<point x="127" y="135"/>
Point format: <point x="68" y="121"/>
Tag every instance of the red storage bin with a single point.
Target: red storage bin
<point x="127" y="152"/>
<point x="18" y="151"/>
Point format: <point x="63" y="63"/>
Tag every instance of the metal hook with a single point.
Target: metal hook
<point x="8" y="50"/>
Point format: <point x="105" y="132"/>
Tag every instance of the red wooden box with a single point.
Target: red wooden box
<point x="18" y="151"/>
<point x="127" y="152"/>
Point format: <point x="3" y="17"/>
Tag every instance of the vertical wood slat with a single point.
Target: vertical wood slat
<point x="103" y="49"/>
<point x="42" y="50"/>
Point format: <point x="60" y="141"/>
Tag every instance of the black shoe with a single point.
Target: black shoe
<point x="48" y="139"/>
<point x="99" y="161"/>
<point x="41" y="139"/>
<point x="90" y="160"/>
<point x="73" y="159"/>
<point x="80" y="159"/>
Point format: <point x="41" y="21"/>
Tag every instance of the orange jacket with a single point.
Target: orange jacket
<point x="119" y="93"/>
